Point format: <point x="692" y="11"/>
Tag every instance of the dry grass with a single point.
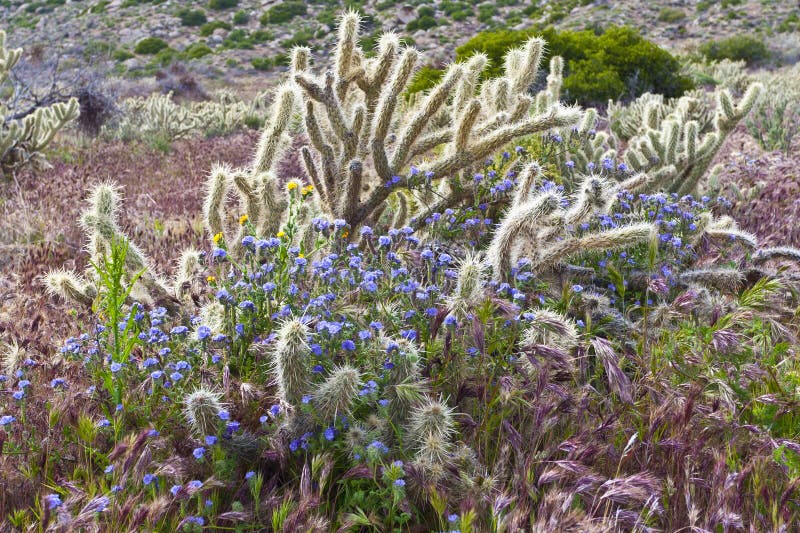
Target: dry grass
<point x="39" y="212"/>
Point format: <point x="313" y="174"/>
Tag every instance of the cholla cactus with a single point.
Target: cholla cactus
<point x="289" y="362"/>
<point x="202" y="409"/>
<point x="22" y="138"/>
<point x="538" y="228"/>
<point x="469" y="291"/>
<point x="260" y="196"/>
<point x="551" y="329"/>
<point x="158" y="115"/>
<point x="673" y="141"/>
<point x="99" y="222"/>
<point x="431" y="426"/>
<point x="336" y="394"/>
<point x="363" y="144"/>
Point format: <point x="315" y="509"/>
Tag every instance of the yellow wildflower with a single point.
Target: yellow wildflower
<point x="292" y="185"/>
<point x="211" y="279"/>
<point x="217" y="238"/>
<point x="281" y="234"/>
<point x="242" y="219"/>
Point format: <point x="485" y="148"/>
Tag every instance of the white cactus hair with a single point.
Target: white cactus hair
<point x="70" y="286"/>
<point x="100" y="224"/>
<point x="469" y="290"/>
<point x="212" y="315"/>
<point x="22" y="140"/>
<point x="674" y="141"/>
<point x="351" y="110"/>
<point x="431" y="425"/>
<point x="552" y="329"/>
<point x="336" y="394"/>
<point x="201" y="408"/>
<point x="11" y="358"/>
<point x="288" y="361"/>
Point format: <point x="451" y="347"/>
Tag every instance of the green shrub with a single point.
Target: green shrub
<point x="456" y="10"/>
<point x="486" y="12"/>
<point x="150" y="46"/>
<point x="99" y="7"/>
<point x="737" y="48"/>
<point x="253" y="122"/>
<point x="671" y="14"/>
<point x="327" y="16"/>
<point x="97" y="48"/>
<point x="208" y="28"/>
<point x="261" y="36"/>
<point x="165" y="56"/>
<point x="122" y="55"/>
<point x="219" y="5"/>
<point x="283" y="13"/>
<point x="424" y="79"/>
<point x="238" y="39"/>
<point x="268" y="63"/>
<point x="262" y="63"/>
<point x="789" y="24"/>
<point x="241" y="17"/>
<point x="196" y="51"/>
<point x="301" y="38"/>
<point x="192" y="17"/>
<point x="422" y="23"/>
<point x="619" y="63"/>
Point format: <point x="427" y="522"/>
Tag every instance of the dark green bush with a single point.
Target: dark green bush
<point x="122" y="55"/>
<point x="486" y="12"/>
<point x="789" y="24"/>
<point x="261" y="36"/>
<point x="424" y="79"/>
<point x="238" y="39"/>
<point x="241" y="17"/>
<point x="99" y="7"/>
<point x="262" y="63"/>
<point x="165" y="57"/>
<point x="456" y="10"/>
<point x="301" y="38"/>
<point x="618" y="63"/>
<point x="737" y="48"/>
<point x="208" y="28"/>
<point x="268" y="63"/>
<point x="219" y="5"/>
<point x="422" y="23"/>
<point x="192" y="17"/>
<point x="196" y="51"/>
<point x="253" y="122"/>
<point x="283" y="13"/>
<point x="671" y="14"/>
<point x="150" y="46"/>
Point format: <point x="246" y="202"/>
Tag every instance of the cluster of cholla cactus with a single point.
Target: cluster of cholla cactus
<point x="674" y="141"/>
<point x="311" y="399"/>
<point x="538" y="227"/>
<point x="143" y="284"/>
<point x="161" y="117"/>
<point x="22" y="138"/>
<point x="366" y="142"/>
